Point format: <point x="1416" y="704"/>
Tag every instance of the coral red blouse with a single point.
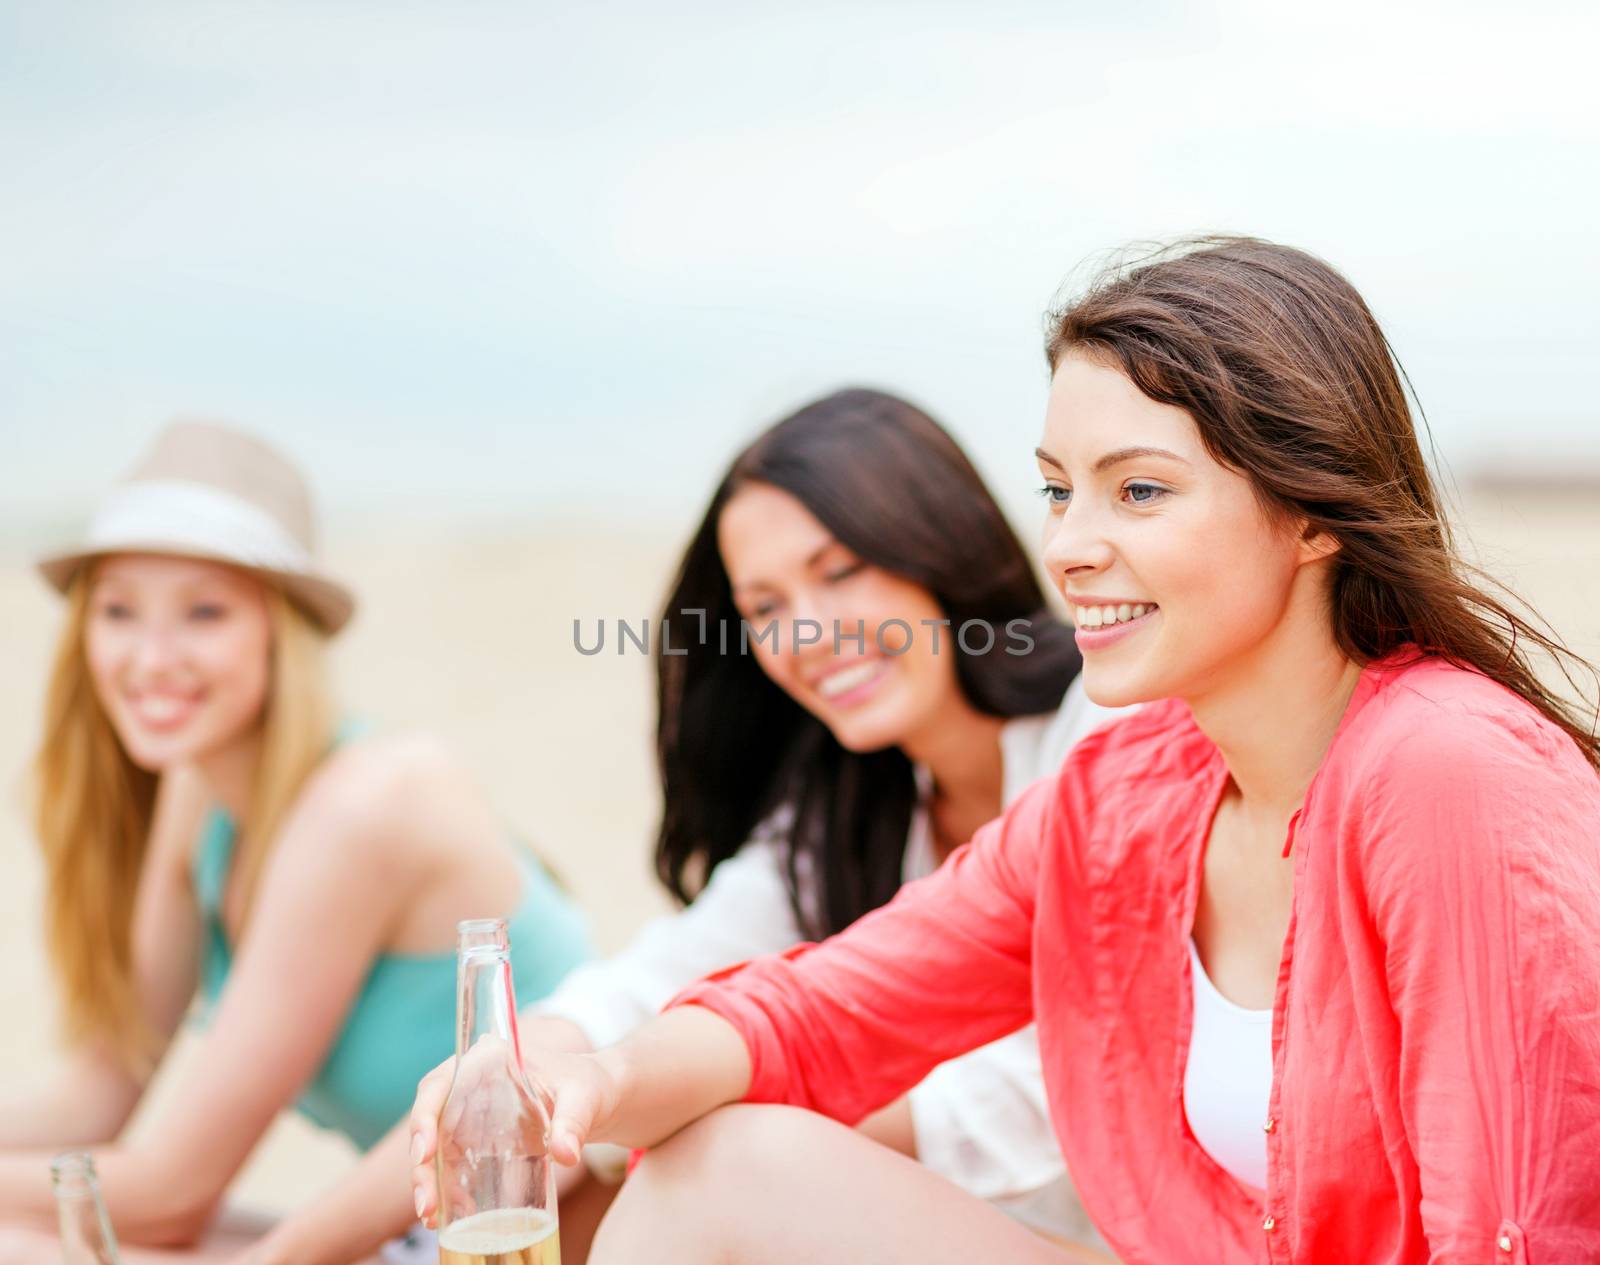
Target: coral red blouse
<point x="1436" y="1032"/>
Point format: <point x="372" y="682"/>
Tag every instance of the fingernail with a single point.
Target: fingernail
<point x="419" y="1204"/>
<point x="416" y="1148"/>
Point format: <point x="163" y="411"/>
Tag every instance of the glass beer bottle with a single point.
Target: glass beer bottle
<point x="86" y="1235"/>
<point x="497" y="1192"/>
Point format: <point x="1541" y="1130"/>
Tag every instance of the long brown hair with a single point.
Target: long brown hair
<point x="1292" y="383"/>
<point x="733" y="746"/>
<point x="93" y="808"/>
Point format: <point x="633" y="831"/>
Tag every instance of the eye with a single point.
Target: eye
<point x="845" y="572"/>
<point x="1055" y="494"/>
<point x="208" y="612"/>
<point x="114" y="611"/>
<point x="1144" y="493"/>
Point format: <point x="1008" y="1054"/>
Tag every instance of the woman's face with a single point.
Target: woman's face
<point x="1176" y="575"/>
<point x="179" y="651"/>
<point x="786" y="567"/>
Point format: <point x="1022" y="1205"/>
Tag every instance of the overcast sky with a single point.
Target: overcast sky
<point x="485" y="257"/>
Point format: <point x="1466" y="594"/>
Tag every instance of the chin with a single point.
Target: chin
<point x="1114" y="687"/>
<point x="155" y="755"/>
<point x="868" y="733"/>
<point x="863" y="742"/>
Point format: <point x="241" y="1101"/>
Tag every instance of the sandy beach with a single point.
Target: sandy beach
<point x="468" y="633"/>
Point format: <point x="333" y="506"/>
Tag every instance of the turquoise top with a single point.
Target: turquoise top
<point x="402" y="1023"/>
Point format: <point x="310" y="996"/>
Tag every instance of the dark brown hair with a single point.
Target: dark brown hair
<point x="1292" y="383"/>
<point x="895" y="488"/>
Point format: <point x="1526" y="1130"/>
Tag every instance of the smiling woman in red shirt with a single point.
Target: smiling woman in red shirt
<point x="1312" y="941"/>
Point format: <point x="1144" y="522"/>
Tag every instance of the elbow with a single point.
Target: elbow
<point x="178" y="1227"/>
<point x="173" y="1211"/>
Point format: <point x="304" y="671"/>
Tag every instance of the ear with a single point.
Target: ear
<point x="1315" y="544"/>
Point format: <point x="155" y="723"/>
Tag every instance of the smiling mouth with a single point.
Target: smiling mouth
<point x="1107" y="616"/>
<point x="837" y="684"/>
<point x="162" y="711"/>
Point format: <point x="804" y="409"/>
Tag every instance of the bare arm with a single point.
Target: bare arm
<point x="92" y="1092"/>
<point x="673" y="1070"/>
<point x="351" y="1220"/>
<point x="316" y="927"/>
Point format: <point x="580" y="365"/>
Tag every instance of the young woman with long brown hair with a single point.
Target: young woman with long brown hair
<point x="210" y="834"/>
<point x="1350" y="805"/>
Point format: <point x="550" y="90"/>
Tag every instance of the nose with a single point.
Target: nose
<point x="811" y="633"/>
<point x="154" y="654"/>
<point x="1075" y="545"/>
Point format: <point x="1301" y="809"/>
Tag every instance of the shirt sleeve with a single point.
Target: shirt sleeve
<point x="743" y="912"/>
<point x="847" y="1026"/>
<point x="1483" y="859"/>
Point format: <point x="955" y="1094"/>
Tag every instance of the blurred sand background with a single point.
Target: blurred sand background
<point x="468" y="632"/>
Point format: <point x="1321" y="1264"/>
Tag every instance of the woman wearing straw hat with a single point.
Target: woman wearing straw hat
<point x="210" y="832"/>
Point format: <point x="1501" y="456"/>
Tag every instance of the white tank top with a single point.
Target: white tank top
<point x="1228" y="1081"/>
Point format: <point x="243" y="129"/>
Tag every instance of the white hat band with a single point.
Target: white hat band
<point x="179" y="512"/>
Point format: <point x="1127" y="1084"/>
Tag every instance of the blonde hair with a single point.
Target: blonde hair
<point x="93" y="808"/>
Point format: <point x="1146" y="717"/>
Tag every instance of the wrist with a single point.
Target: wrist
<point x="552" y="1032"/>
<point x="618" y="1077"/>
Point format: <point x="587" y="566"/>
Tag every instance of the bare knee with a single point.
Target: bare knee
<point x="735" y="1145"/>
<point x="737" y="1165"/>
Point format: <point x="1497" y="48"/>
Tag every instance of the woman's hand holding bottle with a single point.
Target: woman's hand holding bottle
<point x="670" y="1072"/>
<point x="581" y="1091"/>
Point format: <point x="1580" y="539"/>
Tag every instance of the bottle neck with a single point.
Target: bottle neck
<point x="86" y="1234"/>
<point x="486" y="1003"/>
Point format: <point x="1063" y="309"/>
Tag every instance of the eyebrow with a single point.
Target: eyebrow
<point x="1114" y="458"/>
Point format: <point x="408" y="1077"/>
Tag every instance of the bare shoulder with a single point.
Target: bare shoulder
<point x="406" y="794"/>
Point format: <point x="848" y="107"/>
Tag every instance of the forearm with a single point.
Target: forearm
<point x="349" y="1222"/>
<point x="149" y="1202"/>
<point x="672" y="1071"/>
<point x="548" y="1032"/>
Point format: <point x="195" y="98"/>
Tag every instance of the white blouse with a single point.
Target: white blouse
<point x="981" y="1120"/>
<point x="1227" y="1082"/>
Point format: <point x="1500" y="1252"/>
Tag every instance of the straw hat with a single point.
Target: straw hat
<point x="208" y="491"/>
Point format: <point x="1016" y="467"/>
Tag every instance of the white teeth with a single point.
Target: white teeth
<point x="161" y="709"/>
<point x="847" y="679"/>
<point x="1105" y="616"/>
